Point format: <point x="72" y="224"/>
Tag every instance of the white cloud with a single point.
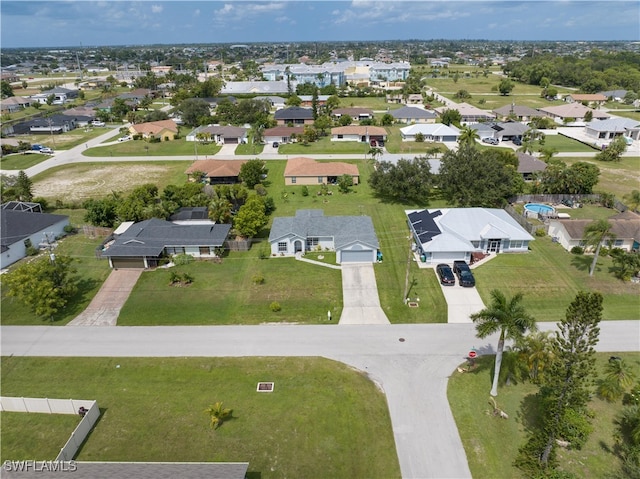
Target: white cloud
<point x="196" y="12"/>
<point x="156" y="8"/>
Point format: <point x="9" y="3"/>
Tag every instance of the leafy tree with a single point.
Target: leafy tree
<point x="218" y="414"/>
<point x="595" y="233"/>
<point x="293" y="100"/>
<point x="633" y="200"/>
<point x="5" y="89"/>
<point x="536" y="350"/>
<point x="23" y="187"/>
<point x="387" y="119"/>
<point x="251" y="172"/>
<point x="468" y="136"/>
<point x="193" y="109"/>
<point x="614" y="151"/>
<point x="251" y="217"/>
<point x="139" y="204"/>
<point x="509" y="317"/>
<point x="322" y="124"/>
<point x="505" y="86"/>
<point x="44" y="285"/>
<point x="404" y="181"/>
<point x="469" y="177"/>
<point x="462" y="95"/>
<point x="101" y="212"/>
<point x="345" y="120"/>
<point x="220" y="210"/>
<point x="345" y="182"/>
<point x="627" y="264"/>
<point x="450" y="117"/>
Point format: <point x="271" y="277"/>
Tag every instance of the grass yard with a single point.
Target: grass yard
<point x="20" y="161"/>
<point x="549" y="278"/>
<point x="395" y="144"/>
<point x="619" y="178"/>
<point x="492" y="444"/>
<point x="153" y="410"/>
<point x="164" y="148"/>
<point x="375" y="103"/>
<point x="65" y="140"/>
<point x="34" y="435"/>
<point x="325" y="146"/>
<point x="92" y="273"/>
<point x="563" y="144"/>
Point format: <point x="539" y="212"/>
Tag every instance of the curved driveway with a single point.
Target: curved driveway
<point x="411" y="363"/>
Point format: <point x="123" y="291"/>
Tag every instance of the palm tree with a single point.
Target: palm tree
<point x="546" y="153"/>
<point x="507" y="316"/>
<point x="468" y="136"/>
<point x="537" y="352"/>
<point x="594" y="234"/>
<point x="628" y="423"/>
<point x="218" y="414"/>
<point x="619" y="377"/>
<point x="633" y="200"/>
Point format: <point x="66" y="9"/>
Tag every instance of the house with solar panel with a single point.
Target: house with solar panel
<point x="450" y="234"/>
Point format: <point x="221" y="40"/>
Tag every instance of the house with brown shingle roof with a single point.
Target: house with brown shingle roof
<point x="217" y="172"/>
<point x="363" y="134"/>
<point x="592" y="99"/>
<point x="521" y="113"/>
<point x="307" y="171"/>
<point x="164" y="129"/>
<point x="281" y="134"/>
<point x="529" y="165"/>
<point x="356" y="114"/>
<point x="572" y="111"/>
<point x="625" y="226"/>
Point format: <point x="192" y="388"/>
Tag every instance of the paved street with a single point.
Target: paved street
<point x="411" y="363"/>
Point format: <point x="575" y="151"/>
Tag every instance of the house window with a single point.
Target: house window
<point x="282" y="247"/>
<point x="320" y="179"/>
<point x="293" y="180"/>
<point x="517" y="244"/>
<point x="340" y="137"/>
<point x="618" y="242"/>
<point x="311" y="242"/>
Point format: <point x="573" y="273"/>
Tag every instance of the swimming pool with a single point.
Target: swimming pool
<point x="539" y="208"/>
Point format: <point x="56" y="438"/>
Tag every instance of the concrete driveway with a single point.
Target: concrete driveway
<point x="461" y="302"/>
<point x="107" y="303"/>
<point x="360" y="295"/>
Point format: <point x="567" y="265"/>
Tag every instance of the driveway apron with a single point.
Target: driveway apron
<point x="461" y="303"/>
<point x="107" y="303"/>
<point x="360" y="295"/>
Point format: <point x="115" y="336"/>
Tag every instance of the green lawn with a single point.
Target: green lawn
<point x="153" y="410"/>
<point x="619" y="178"/>
<point x="564" y="144"/>
<point x="549" y="278"/>
<point x="19" y="161"/>
<point x="92" y="273"/>
<point x="491" y="444"/>
<point x="34" y="435"/>
<point x="326" y="147"/>
<point x="144" y="148"/>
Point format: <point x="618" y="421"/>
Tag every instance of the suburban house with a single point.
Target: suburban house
<point x="517" y="112"/>
<point x="364" y="134"/>
<point x="13" y="104"/>
<point x="615" y="95"/>
<point x="82" y="115"/>
<point x="307" y="171"/>
<point x="625" y="226"/>
<point x="276" y="102"/>
<point x="60" y="96"/>
<point x="469" y="114"/>
<point x="253" y="87"/>
<point x="295" y="116"/>
<point x="24" y="224"/>
<point x="143" y="244"/>
<point x="52" y="125"/>
<point x="412" y="114"/>
<point x="572" y="113"/>
<point x="595" y="99"/>
<point x="351" y="237"/>
<point x="430" y="132"/>
<point x="611" y="128"/>
<point x="221" y="135"/>
<point x="281" y="134"/>
<point x="356" y="114"/>
<point x="307" y="100"/>
<point x="446" y="235"/>
<point x="529" y="165"/>
<point x="502" y="131"/>
<point x="414" y="99"/>
<point x="217" y="172"/>
<point x="134" y="97"/>
<point x="163" y="129"/>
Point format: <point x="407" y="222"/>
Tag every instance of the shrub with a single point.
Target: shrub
<point x="540" y="232"/>
<point x="305" y="191"/>
<point x="69" y="229"/>
<point x="187" y="278"/>
<point x="275" y="306"/>
<point x="174" y="278"/>
<point x="182" y="259"/>
<point x="577" y="250"/>
<point x="260" y="190"/>
<point x="257" y="279"/>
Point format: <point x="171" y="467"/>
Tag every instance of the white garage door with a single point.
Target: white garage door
<point x="357" y="256"/>
<point x="447" y="257"/>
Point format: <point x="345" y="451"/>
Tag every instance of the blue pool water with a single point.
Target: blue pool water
<point x="539" y="208"/>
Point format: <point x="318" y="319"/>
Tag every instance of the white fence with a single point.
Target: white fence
<point x="58" y="406"/>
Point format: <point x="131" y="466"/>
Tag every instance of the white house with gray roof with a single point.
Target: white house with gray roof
<point x="450" y="234"/>
<point x="412" y="114"/>
<point x="430" y="132"/>
<point x="613" y="127"/>
<point x="351" y="237"/>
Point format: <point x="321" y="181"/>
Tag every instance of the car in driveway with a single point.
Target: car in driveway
<point x="464" y="274"/>
<point x="275" y="144"/>
<point x="46" y="151"/>
<point x="517" y="141"/>
<point x="124" y="138"/>
<point x="445" y="275"/>
<point x="491" y="141"/>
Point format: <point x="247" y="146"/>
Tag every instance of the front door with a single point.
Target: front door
<point x="297" y="246"/>
<point x="494" y="245"/>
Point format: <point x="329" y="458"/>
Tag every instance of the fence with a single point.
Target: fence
<point x="239" y="245"/>
<point x="58" y="406"/>
<point x="522" y="221"/>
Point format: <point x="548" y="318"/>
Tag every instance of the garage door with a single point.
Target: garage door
<point x="447" y="257"/>
<point x="127" y="263"/>
<point x="357" y="256"/>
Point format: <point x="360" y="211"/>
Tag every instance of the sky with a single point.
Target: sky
<point x="74" y="23"/>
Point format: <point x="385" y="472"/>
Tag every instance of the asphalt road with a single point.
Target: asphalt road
<point x="410" y="363"/>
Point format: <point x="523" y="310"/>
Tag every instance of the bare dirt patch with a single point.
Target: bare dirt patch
<point x="96" y="181"/>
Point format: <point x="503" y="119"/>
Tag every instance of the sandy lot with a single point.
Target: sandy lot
<point x="96" y="181"/>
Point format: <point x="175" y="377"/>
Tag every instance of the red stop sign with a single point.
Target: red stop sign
<point x="472" y="354"/>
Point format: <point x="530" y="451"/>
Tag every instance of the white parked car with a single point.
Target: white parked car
<point x="46" y="151"/>
<point x="124" y="138"/>
<point x="97" y="123"/>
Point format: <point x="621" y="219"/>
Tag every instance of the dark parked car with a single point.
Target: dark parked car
<point x="445" y="274"/>
<point x="465" y="276"/>
<point x="517" y="141"/>
<point x="275" y="144"/>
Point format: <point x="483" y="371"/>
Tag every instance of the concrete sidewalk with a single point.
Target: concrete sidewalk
<point x="107" y="303"/>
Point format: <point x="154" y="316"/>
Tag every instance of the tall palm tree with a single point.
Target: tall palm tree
<point x="536" y="351"/>
<point x="594" y="234"/>
<point x="619" y="376"/>
<point x="468" y="136"/>
<point x="504" y="315"/>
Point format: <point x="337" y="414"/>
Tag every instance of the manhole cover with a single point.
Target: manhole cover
<point x="401" y="340"/>
<point x="265" y="387"/>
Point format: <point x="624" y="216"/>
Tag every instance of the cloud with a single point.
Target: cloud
<point x="196" y="12"/>
<point x="157" y="8"/>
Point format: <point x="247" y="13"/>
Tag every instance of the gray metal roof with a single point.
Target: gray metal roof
<point x="294" y="113"/>
<point x="150" y="237"/>
<point x="614" y="124"/>
<point x="17" y="225"/>
<point x="345" y="230"/>
<point x="412" y="112"/>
